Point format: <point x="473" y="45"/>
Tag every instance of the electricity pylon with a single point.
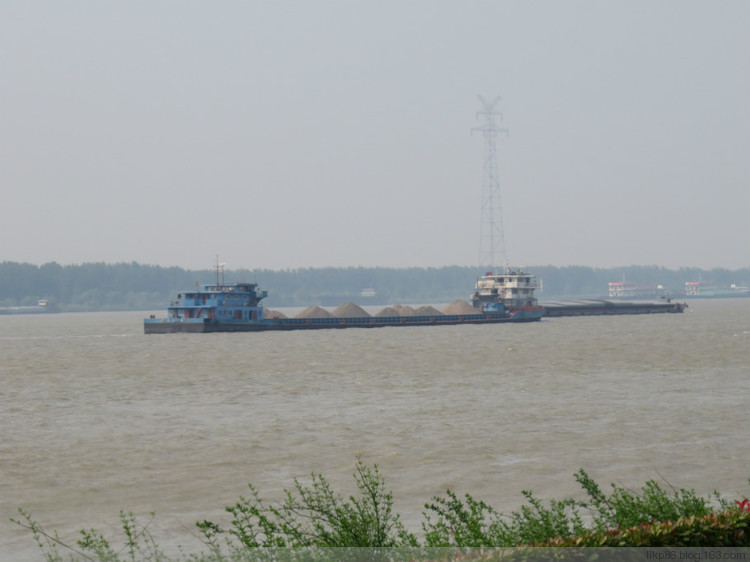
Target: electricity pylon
<point x="491" y="235"/>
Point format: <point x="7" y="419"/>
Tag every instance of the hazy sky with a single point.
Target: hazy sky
<point x="284" y="134"/>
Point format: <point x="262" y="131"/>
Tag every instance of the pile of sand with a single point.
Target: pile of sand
<point x="268" y="313"/>
<point x="459" y="307"/>
<point x="314" y="312"/>
<point x="387" y="312"/>
<point x="427" y="311"/>
<point x="403" y="310"/>
<point x="350" y="310"/>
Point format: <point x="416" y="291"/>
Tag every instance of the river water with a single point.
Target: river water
<point x="98" y="417"/>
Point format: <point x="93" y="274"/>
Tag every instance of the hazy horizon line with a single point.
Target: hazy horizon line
<point x="293" y="268"/>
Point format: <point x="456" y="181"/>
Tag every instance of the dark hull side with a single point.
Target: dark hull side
<point x="609" y="308"/>
<point x="208" y="326"/>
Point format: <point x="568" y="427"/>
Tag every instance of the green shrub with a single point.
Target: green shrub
<point x="625" y="508"/>
<point x="470" y="524"/>
<point x="725" y="529"/>
<point x="474" y="524"/>
<point x="139" y="543"/>
<point x="315" y="516"/>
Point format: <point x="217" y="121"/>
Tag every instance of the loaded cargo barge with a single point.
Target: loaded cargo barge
<point x="236" y="307"/>
<point x="501" y="298"/>
<point x="516" y="289"/>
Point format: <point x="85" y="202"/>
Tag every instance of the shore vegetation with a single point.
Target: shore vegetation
<point x="313" y="521"/>
<point x="133" y="286"/>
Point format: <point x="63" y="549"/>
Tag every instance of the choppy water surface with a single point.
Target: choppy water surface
<point x="98" y="417"/>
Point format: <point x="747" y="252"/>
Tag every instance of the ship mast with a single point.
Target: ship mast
<point x="491" y="234"/>
<point x="219" y="272"/>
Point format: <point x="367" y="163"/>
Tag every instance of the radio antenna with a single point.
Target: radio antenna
<point x="219" y="272"/>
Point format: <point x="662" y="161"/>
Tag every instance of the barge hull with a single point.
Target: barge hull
<point x="609" y="308"/>
<point x="167" y="326"/>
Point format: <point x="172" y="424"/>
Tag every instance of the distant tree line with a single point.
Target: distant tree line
<point x="578" y="281"/>
<point x="89" y="286"/>
<point x="134" y="286"/>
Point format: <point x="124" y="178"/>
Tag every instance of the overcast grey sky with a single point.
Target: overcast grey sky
<point x="283" y="134"/>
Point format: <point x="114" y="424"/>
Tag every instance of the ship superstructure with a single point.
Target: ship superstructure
<point x="236" y="302"/>
<point x="514" y="290"/>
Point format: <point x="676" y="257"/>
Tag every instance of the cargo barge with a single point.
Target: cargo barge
<point x="600" y="307"/>
<point x="42" y="307"/>
<point x="703" y="290"/>
<point x="236" y="307"/>
<point x="515" y="290"/>
<point x="501" y="298"/>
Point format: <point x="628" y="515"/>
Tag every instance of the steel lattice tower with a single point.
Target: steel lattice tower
<point x="491" y="235"/>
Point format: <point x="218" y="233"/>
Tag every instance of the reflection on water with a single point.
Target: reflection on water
<point x="98" y="417"/>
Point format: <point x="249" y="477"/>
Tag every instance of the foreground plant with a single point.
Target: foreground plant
<point x="313" y="517"/>
<point x="474" y="524"/>
<point x="625" y="508"/>
<point x="316" y="516"/>
<point x="139" y="543"/>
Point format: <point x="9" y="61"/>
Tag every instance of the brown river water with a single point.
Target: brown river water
<point x="98" y="417"/>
